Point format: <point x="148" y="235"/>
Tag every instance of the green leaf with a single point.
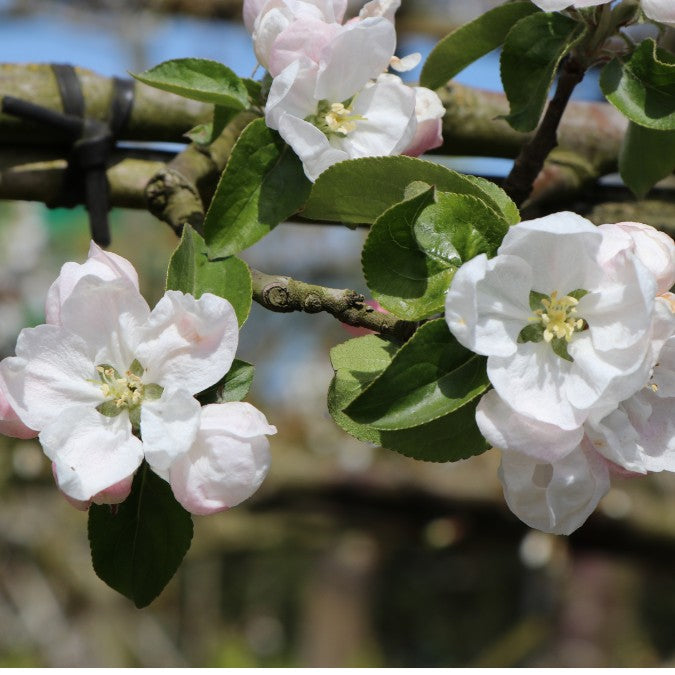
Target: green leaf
<point x="535" y="300"/>
<point x="233" y="387"/>
<point x="205" y="134"/>
<point x="262" y="185"/>
<point x="471" y="41"/>
<point x="136" y="547"/>
<point x="401" y="277"/>
<point x="532" y="52"/>
<point x="254" y="89"/>
<point x="191" y="271"/>
<point x="431" y="376"/>
<point x="361" y="190"/>
<point x="358" y="362"/>
<point x="200" y="80"/>
<point x="458" y="228"/>
<point x="532" y="332"/>
<point x="646" y="156"/>
<point x="642" y="87"/>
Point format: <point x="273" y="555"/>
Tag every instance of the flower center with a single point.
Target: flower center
<point x="558" y="316"/>
<point x="335" y="118"/>
<point x="124" y="392"/>
<point x="555" y="320"/>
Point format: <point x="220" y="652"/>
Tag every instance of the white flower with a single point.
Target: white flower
<point x="227" y="461"/>
<point x="113" y="367"/>
<point x="10" y="424"/>
<point x="660" y="10"/>
<point x="655" y="249"/>
<point x="329" y="110"/>
<point x="561" y="331"/>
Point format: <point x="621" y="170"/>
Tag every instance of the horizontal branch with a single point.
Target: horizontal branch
<point x="283" y="294"/>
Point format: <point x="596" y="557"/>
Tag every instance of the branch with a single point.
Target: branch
<point x="530" y="161"/>
<point x="283" y="294"/>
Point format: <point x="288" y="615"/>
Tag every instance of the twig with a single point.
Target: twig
<point x="283" y="294"/>
<point x="528" y="164"/>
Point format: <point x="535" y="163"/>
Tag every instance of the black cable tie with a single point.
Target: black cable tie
<point x="70" y="90"/>
<point x="121" y="105"/>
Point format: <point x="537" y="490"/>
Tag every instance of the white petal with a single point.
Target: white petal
<point x="664" y="371"/>
<point x="10" y="423"/>
<point x="503" y="427"/>
<point x="385" y="8"/>
<point x="660" y="10"/>
<point x="187" y="343"/>
<point x="228" y="461"/>
<point x="388" y="107"/>
<point x="488" y="304"/>
<point x="554" y="497"/>
<point x="362" y="51"/>
<point x="168" y="427"/>
<point x="403" y="65"/>
<point x="292" y="93"/>
<point x="310" y="145"/>
<point x="52" y="371"/>
<point x="102" y="264"/>
<point x="109" y="316"/>
<point x="429" y="112"/>
<point x="91" y="452"/>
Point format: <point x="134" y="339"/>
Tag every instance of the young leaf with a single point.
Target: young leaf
<point x="431" y="376"/>
<point x="647" y="156"/>
<point x="361" y="190"/>
<point x="136" y="547"/>
<point x="191" y="271"/>
<point x="643" y="86"/>
<point x="401" y="277"/>
<point x="473" y="40"/>
<point x="262" y="185"/>
<point x="458" y="228"/>
<point x="200" y="80"/>
<point x="233" y="387"/>
<point x="358" y="362"/>
<point x="532" y="52"/>
<point x="205" y="134"/>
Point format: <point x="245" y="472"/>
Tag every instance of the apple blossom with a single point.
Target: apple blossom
<point x="662" y="11"/>
<point x="561" y="330"/>
<point x="556" y="5"/>
<point x="227" y="462"/>
<point x="429" y="112"/>
<point x="113" y="368"/>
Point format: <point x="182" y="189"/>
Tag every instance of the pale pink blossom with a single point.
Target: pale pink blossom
<point x="429" y="112"/>
<point x="662" y="11"/>
<point x="556" y="5"/>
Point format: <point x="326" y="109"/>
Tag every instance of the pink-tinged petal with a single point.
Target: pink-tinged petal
<point x="654" y="249"/>
<point x="52" y="371"/>
<point x="292" y="93"/>
<point x="102" y="264"/>
<point x="188" y="343"/>
<point x="228" y="461"/>
<point x="429" y="113"/>
<point x="304" y="38"/>
<point x="115" y="494"/>
<point x="405" y="64"/>
<point x="662" y="11"/>
<point x="267" y="29"/>
<point x="488" y="304"/>
<point x="91" y="452"/>
<point x="362" y="51"/>
<point x="79" y="504"/>
<point x="168" y="427"/>
<point x="560" y="248"/>
<point x="554" y="497"/>
<point x="503" y="427"/>
<point x="310" y="145"/>
<point x="385" y="8"/>
<point x="251" y="10"/>
<point x="108" y="316"/>
<point x="10" y="423"/>
<point x="388" y="109"/>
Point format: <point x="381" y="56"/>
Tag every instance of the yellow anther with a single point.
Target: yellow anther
<point x="559" y="317"/>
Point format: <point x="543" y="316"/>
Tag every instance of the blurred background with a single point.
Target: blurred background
<point x="348" y="555"/>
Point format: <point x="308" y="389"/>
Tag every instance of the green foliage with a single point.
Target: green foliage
<point x="205" y="134"/>
<point x="473" y="40"/>
<point x="200" y="80"/>
<point x="532" y="52"/>
<point x="647" y="156"/>
<point x="361" y="190"/>
<point x="191" y="271"/>
<point x="458" y="228"/>
<point x="262" y="185"/>
<point x="401" y="277"/>
<point x="642" y="87"/>
<point x="233" y="387"/>
<point x="431" y="376"/>
<point x="137" y="546"/>
<point x="359" y="362"/>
